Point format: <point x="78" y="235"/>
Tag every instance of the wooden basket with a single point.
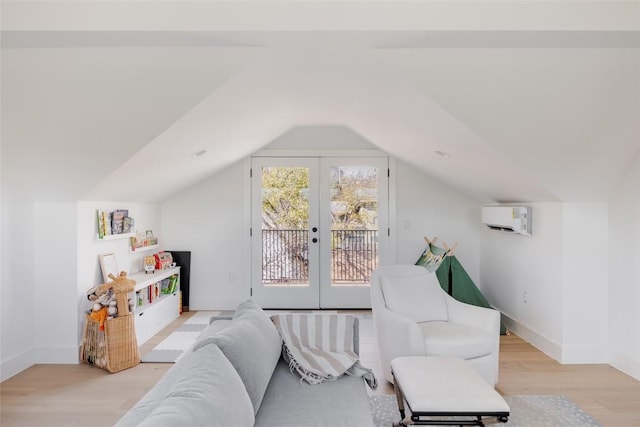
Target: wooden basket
<point x="115" y="348"/>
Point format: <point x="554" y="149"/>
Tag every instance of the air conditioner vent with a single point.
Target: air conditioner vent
<point x="513" y="219"/>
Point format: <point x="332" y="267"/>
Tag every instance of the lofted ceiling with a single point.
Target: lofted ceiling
<point x="534" y="101"/>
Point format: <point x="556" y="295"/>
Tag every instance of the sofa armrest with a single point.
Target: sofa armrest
<point x="356" y="335"/>
<point x="216" y="318"/>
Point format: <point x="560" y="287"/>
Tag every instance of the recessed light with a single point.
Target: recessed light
<point x="198" y="154"/>
<point x="443" y="154"/>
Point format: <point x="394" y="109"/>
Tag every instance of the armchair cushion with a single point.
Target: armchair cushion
<point x="417" y="298"/>
<point x="450" y="339"/>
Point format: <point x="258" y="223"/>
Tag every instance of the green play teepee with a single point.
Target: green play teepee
<point x="452" y="276"/>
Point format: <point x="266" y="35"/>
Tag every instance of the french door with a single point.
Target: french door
<point x="319" y="227"/>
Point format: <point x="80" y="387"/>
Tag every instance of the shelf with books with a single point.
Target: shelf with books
<point x="116" y="236"/>
<point x="115" y="223"/>
<point x="157" y="301"/>
<point x="143" y="242"/>
<point x="146" y="279"/>
<point x="143" y="248"/>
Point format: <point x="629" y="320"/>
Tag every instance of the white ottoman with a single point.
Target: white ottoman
<point x="444" y="387"/>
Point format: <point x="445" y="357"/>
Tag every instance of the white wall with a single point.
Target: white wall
<point x="208" y="220"/>
<point x="55" y="252"/>
<point x="426" y="207"/>
<point x="17" y="288"/>
<point x="624" y="273"/>
<point x="146" y="216"/>
<point x="585" y="269"/>
<point x="513" y="264"/>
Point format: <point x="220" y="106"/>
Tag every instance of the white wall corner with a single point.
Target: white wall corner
<point x="625" y="363"/>
<point x="62" y="355"/>
<point x="624" y="273"/>
<point x="246" y="274"/>
<point x="16" y="364"/>
<point x="581" y="354"/>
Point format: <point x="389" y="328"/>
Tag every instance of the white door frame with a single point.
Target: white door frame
<point x="249" y="252"/>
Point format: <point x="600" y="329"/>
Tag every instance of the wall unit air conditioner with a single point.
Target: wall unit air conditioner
<point x="514" y="219"/>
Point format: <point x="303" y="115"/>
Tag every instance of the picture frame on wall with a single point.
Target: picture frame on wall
<point x="108" y="266"/>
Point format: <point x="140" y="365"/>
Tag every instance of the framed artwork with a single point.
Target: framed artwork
<point x="108" y="266"/>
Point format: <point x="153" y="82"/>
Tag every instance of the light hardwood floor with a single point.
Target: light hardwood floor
<point x="80" y="395"/>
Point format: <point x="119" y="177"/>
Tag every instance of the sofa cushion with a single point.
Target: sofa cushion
<point x="290" y="403"/>
<point x="253" y="346"/>
<point x="210" y="393"/>
<point x="450" y="339"/>
<point x="419" y="298"/>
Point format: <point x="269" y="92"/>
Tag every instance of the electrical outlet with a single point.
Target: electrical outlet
<point x="525" y="297"/>
<point x="232" y="277"/>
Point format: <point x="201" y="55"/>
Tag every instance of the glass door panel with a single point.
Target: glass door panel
<point x="354" y="203"/>
<point x="283" y="244"/>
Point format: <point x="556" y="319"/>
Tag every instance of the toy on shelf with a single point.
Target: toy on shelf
<point x="149" y="264"/>
<point x="163" y="260"/>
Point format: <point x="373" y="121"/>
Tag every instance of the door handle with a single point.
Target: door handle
<point x="314" y="240"/>
<point x="314" y="229"/>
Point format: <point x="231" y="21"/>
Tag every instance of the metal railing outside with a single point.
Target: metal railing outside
<point x="354" y="254"/>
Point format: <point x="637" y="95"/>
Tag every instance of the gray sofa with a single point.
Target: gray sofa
<point x="234" y="376"/>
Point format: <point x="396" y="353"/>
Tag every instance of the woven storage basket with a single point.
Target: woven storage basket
<point x="116" y="347"/>
<point x="113" y="349"/>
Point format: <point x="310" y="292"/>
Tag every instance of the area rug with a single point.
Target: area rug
<point x="526" y="411"/>
<point x="173" y="347"/>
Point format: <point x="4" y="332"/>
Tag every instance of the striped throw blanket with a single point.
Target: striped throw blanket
<point x="320" y="347"/>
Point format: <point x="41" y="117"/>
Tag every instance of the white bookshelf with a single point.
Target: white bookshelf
<point x="154" y="315"/>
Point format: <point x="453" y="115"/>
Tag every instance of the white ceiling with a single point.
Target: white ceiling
<point x="532" y="102"/>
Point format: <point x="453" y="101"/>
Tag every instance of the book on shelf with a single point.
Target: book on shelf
<point x="142" y="240"/>
<point x="107" y="223"/>
<point x="104" y="223"/>
<point x="117" y="220"/>
<point x="101" y="231"/>
<point x="127" y="224"/>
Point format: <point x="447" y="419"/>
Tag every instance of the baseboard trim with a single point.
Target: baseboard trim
<point x="57" y="355"/>
<point x="625" y="363"/>
<point x="16" y="364"/>
<point x="542" y="343"/>
<point x="583" y="354"/>
<point x="220" y="304"/>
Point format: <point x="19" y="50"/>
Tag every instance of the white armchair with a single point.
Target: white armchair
<point x="413" y="316"/>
